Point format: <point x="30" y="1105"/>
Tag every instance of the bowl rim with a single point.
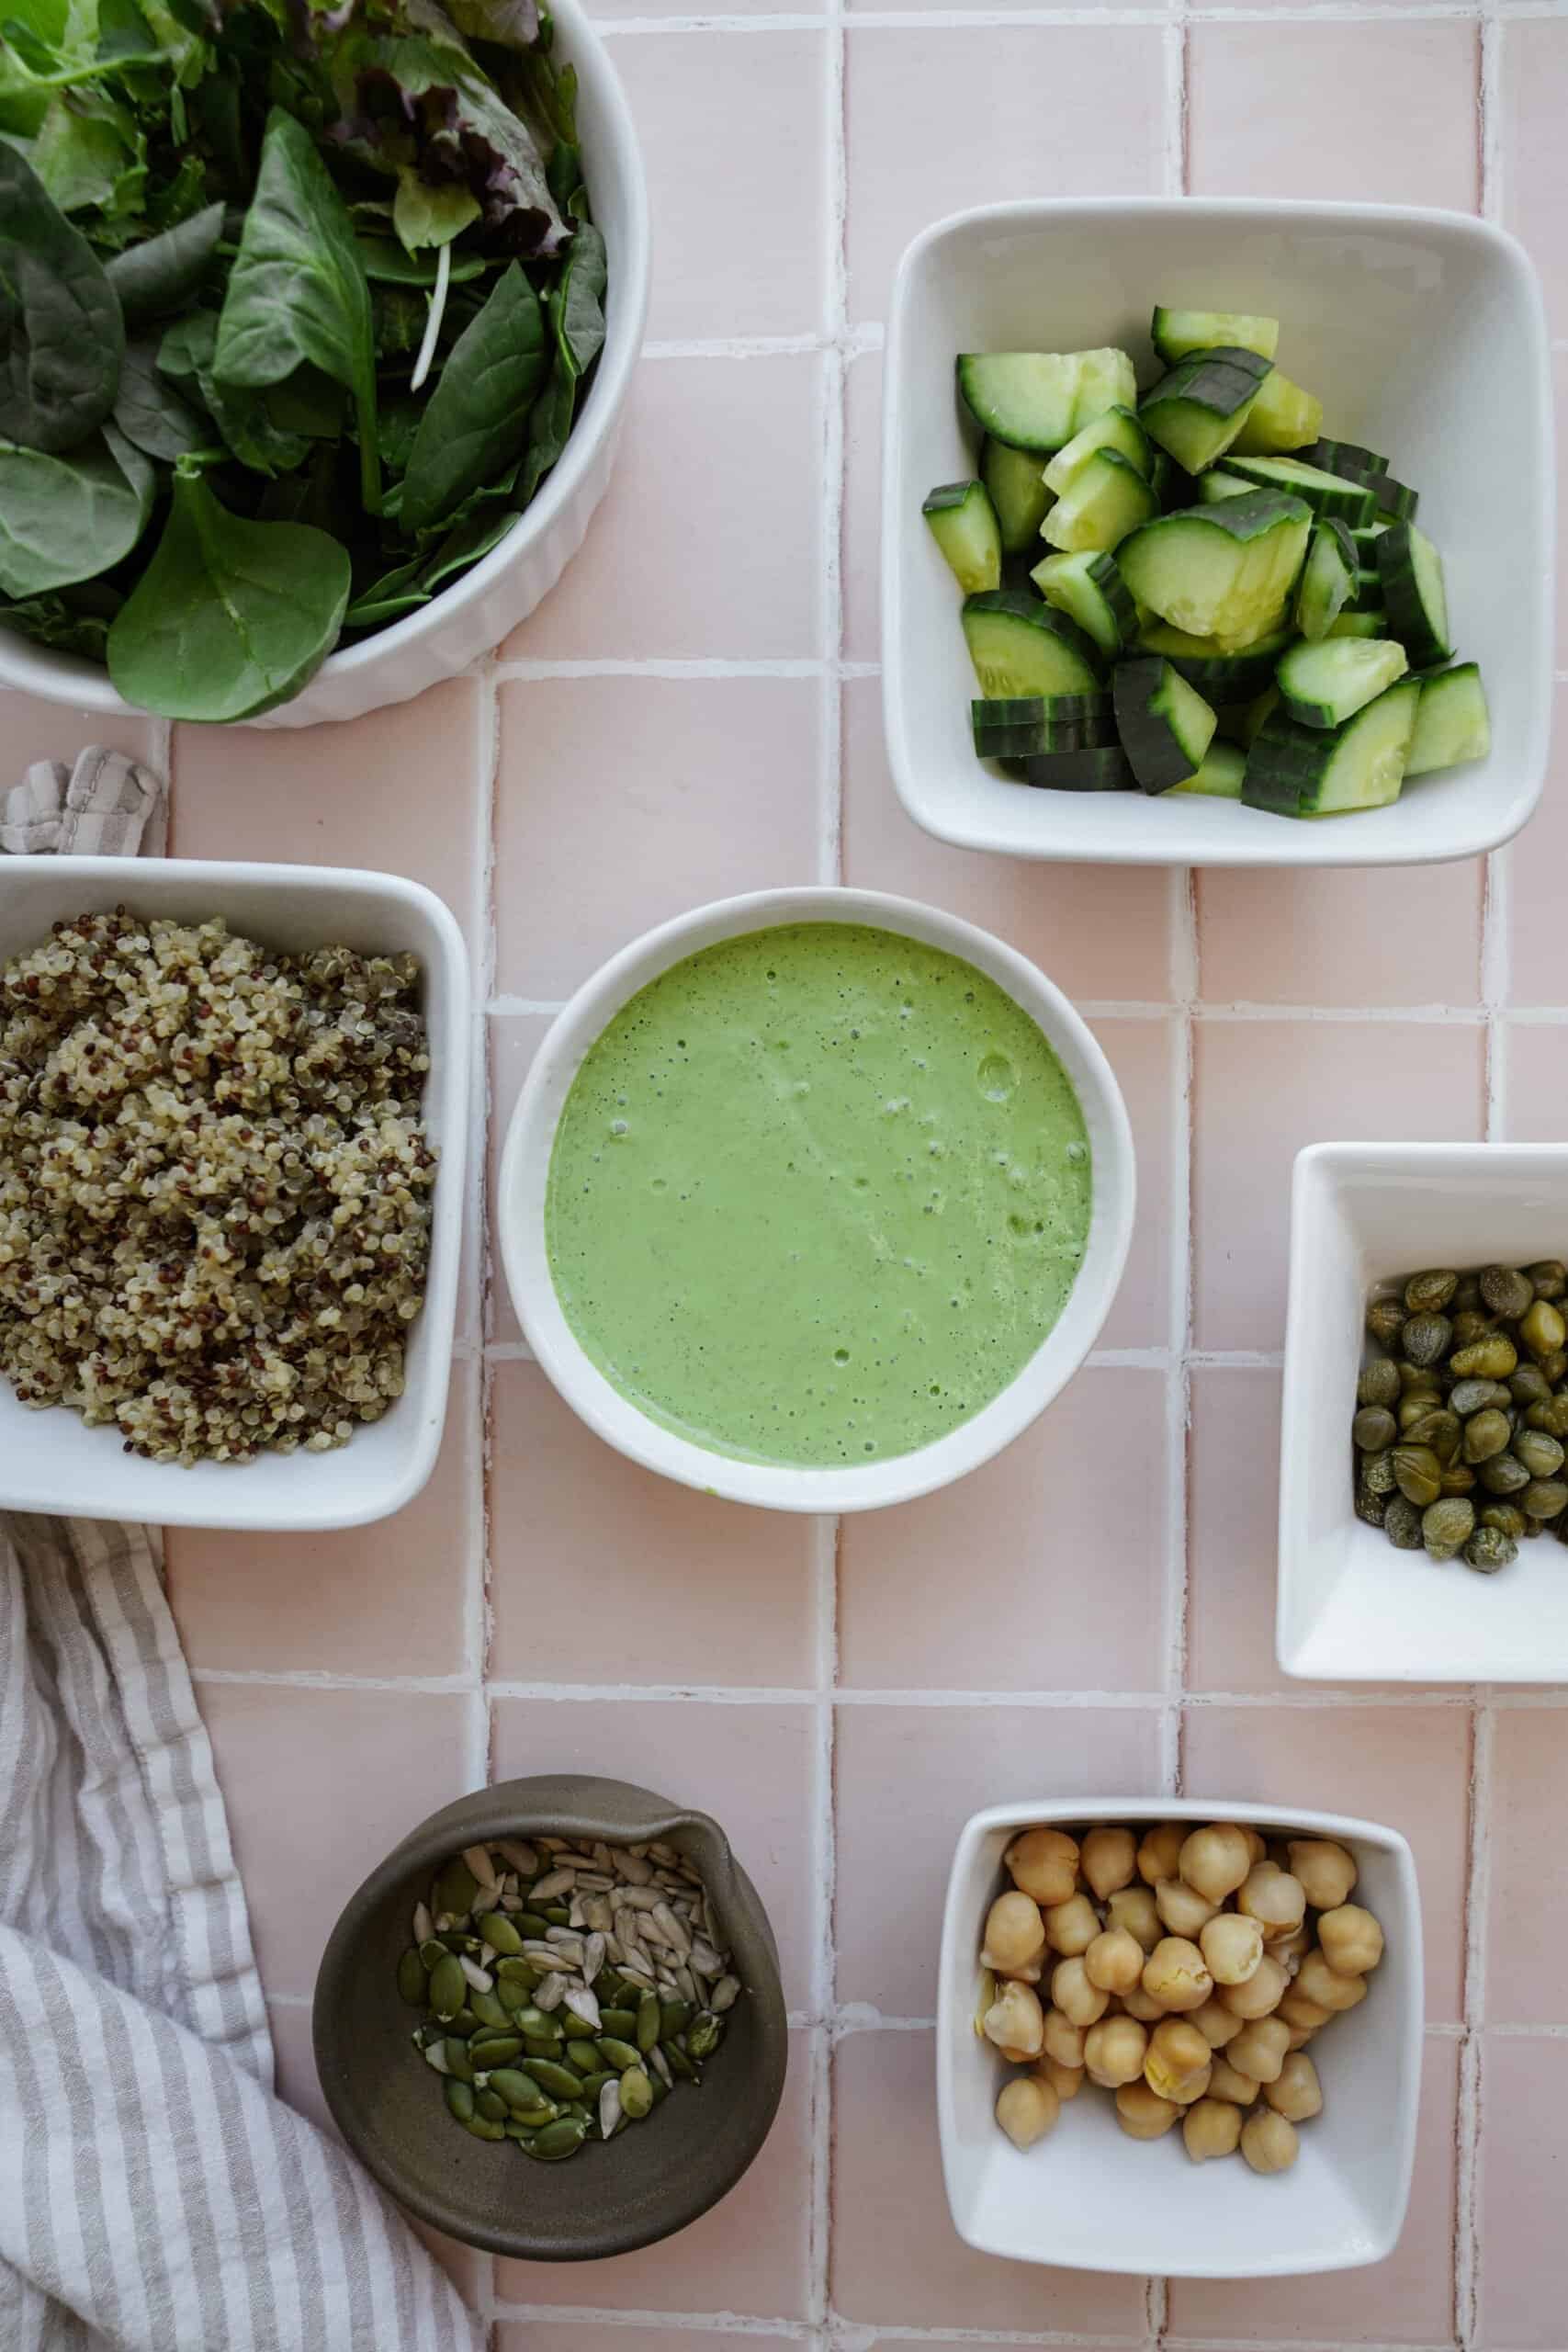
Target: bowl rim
<point x="116" y="878"/>
<point x="1243" y="851"/>
<point x="789" y="1487"/>
<point x="70" y="678"/>
<point x="522" y="1806"/>
<point x="957" y="1962"/>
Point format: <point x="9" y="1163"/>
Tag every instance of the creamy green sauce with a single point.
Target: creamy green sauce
<point x="817" y="1194"/>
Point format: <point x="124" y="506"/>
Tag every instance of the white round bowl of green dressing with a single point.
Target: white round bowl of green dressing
<point x="816" y="1198"/>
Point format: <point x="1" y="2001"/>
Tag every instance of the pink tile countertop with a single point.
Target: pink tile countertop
<point x="695" y="711"/>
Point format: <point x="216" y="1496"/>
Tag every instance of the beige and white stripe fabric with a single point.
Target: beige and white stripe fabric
<point x="154" y="2196"/>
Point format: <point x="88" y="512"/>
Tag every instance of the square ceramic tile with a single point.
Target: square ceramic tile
<point x="913" y="155"/>
<point x="741" y="244"/>
<point x="1337" y="73"/>
<point x="685" y="1588"/>
<point x="1522" y="2291"/>
<point x="752" y="1765"/>
<point x="750" y="2254"/>
<point x="515" y="1038"/>
<point x="897" y="2258"/>
<point x="1537" y="974"/>
<point x="1261" y="1090"/>
<point x="1528" y="1904"/>
<point x="906" y="1779"/>
<point x="1323" y="936"/>
<point x="1408" y="1767"/>
<point x="664" y="573"/>
<point x="1233" y="1506"/>
<point x="706" y="787"/>
<point x="392" y="1598"/>
<point x="1144" y="1056"/>
<point x="908" y="1613"/>
<point x="362" y="792"/>
<point x="1534" y="169"/>
<point x="1534" y="1074"/>
<point x="320" y="1787"/>
<point x="860" y="536"/>
<point x="1098" y="931"/>
<point x="1409" y="2299"/>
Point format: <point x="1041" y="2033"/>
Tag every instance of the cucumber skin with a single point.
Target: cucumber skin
<point x="1407" y="617"/>
<point x="1036" y="613"/>
<point x="1105" y="770"/>
<point x="1221" y="383"/>
<point x="1230" y="676"/>
<point x="1347" y="458"/>
<point x="1148" y="737"/>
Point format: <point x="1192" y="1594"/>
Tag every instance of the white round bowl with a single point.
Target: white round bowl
<point x="525" y="1173"/>
<point x="466" y="620"/>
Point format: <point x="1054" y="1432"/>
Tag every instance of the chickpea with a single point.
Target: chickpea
<point x="1260" y="2049"/>
<point x="1175" y="1973"/>
<point x="1216" y="1860"/>
<point x="1065" y="2081"/>
<point x="1317" y="1981"/>
<point x="1108" y="1860"/>
<point x="1351" y="1940"/>
<point x="1114" y="1961"/>
<point x="1326" y="1870"/>
<point x="1080" y="2001"/>
<point x="1142" y="2113"/>
<point x="1182" y="1909"/>
<point x="1061" y="2039"/>
<point x="1296" y="2092"/>
<point x="1274" y="1898"/>
<point x="1256" y="1846"/>
<point x="1135" y="1909"/>
<point x="1233" y="1948"/>
<point x="1300" y="2014"/>
<point x="1178" y="2061"/>
<point x="1292" y="1949"/>
<point x="1015" y="1935"/>
<point x="1114" y="2052"/>
<point x="1045" y="1863"/>
<point x="1300" y="2036"/>
<point x="1027" y="2108"/>
<point x="1269" y="2142"/>
<point x="1015" y="2019"/>
<point x="1225" y="2083"/>
<point x="1217" y="2024"/>
<point x="1071" y="1926"/>
<point x="1014" y="2057"/>
<point x="1210" y="2128"/>
<point x="1141" y="2006"/>
<point x="1160" y="1852"/>
<point x="1261" y="1993"/>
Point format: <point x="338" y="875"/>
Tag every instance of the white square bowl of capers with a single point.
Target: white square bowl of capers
<point x="1440" y="1264"/>
<point x="1082" y="2192"/>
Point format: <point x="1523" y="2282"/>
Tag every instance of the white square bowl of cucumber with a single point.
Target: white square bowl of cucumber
<point x="1184" y="540"/>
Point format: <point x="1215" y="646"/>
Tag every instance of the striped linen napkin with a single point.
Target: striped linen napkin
<point x="154" y="2195"/>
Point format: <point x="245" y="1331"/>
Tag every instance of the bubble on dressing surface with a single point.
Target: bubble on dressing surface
<point x="997" y="1078"/>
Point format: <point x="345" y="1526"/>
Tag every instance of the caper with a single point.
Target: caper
<point x="1386" y="1320"/>
<point x="1528" y="1386"/>
<point x="1418" y="1474"/>
<point x="1446" y="1525"/>
<point x="1415" y="1380"/>
<point x="1379" y="1383"/>
<point x="1373" y="1429"/>
<point x="1489" y="1549"/>
<point x="1541" y="1456"/>
<point x="1487" y="1433"/>
<point x="1543" y="1329"/>
<point x="1377" y="1473"/>
<point x="1413" y="1409"/>
<point x="1467" y="1396"/>
<point x="1458" y="1478"/>
<point x="1548" y="1277"/>
<point x="1429" y="1293"/>
<point x="1467" y="1294"/>
<point x="1439" y="1430"/>
<point x="1372" y="1507"/>
<point x="1504" y="1475"/>
<point x="1543" y="1497"/>
<point x="1491" y="1359"/>
<point x="1470" y="1324"/>
<point x="1426" y="1338"/>
<point x="1555" y="1366"/>
<point x="1550" y="1415"/>
<point x="1504" y="1291"/>
<point x="1507" y="1518"/>
<point x="1401" y="1524"/>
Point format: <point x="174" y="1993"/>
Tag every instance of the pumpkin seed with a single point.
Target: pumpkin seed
<point x="557" y="2141"/>
<point x="458" y="2060"/>
<point x="637" y="2093"/>
<point x="561" y="2082"/>
<point x="500" y="1934"/>
<point x="460" y="2101"/>
<point x="483" y="2129"/>
<point x="411" y="1979"/>
<point x="449" y="1988"/>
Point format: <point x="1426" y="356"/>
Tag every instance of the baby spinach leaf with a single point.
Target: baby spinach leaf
<point x="424" y="215"/>
<point x="89" y="153"/>
<point x="61" y="330"/>
<point x="149" y="411"/>
<point x="466" y="542"/>
<point x="230" y="617"/>
<point x="475" y="421"/>
<point x="577" y="312"/>
<point x="549" y="423"/>
<point x="64" y="517"/>
<point x="297" y="291"/>
<point x="69" y="623"/>
<point x="387" y="264"/>
<point x="242" y="413"/>
<point x="162" y="273"/>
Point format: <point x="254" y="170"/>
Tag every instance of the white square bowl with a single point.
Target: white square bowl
<point x="1423" y="334"/>
<point x="50" y="1461"/>
<point x="1087" y="2197"/>
<point x="1350" y="1608"/>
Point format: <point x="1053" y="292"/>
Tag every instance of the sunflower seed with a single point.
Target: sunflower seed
<point x="675" y="1931"/>
<point x="480" y="1978"/>
<point x="551" y="1992"/>
<point x="613" y="1947"/>
<point x="522" y="1856"/>
<point x="662" y="2064"/>
<point x="609" y="2109"/>
<point x="690" y="1989"/>
<point x="480" y="1864"/>
<point x="602" y="1855"/>
<point x="598" y="1914"/>
<point x="592" y="1958"/>
<point x="444" y="1921"/>
<point x="592" y="1882"/>
<point x="582" y="2004"/>
<point x="566" y="1943"/>
<point x="512" y="1902"/>
<point x="633" y="1868"/>
<point x="638" y="1898"/>
<point x="544" y="1954"/>
<point x="423" y="1925"/>
<point x="552" y="1844"/>
<point x="667" y="1985"/>
<point x="435" y="2054"/>
<point x="663" y="1853"/>
<point x="704" y="1961"/>
<point x="723" y="1995"/>
<point x="554" y="1883"/>
<point x="635" y="1964"/>
<point x="576" y="1916"/>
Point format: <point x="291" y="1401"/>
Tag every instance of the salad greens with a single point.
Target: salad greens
<point x="296" y="307"/>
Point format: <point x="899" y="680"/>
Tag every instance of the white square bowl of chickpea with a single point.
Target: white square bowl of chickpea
<point x="1088" y="2164"/>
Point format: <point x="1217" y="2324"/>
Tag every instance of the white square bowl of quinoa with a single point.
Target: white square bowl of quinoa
<point x="234" y="1115"/>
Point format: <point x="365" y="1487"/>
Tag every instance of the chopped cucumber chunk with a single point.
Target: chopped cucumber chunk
<point x="1326" y="494"/>
<point x="1347" y="458"/>
<point x="1411" y="571"/>
<point x="1089" y="588"/>
<point x="1021" y="646"/>
<point x="1395" y="499"/>
<point x="1214" y="673"/>
<point x="1220" y="777"/>
<point x="1023" y="726"/>
<point x="1038" y="400"/>
<point x="1176" y="332"/>
<point x="1316" y="771"/>
<point x="1322" y="686"/>
<point x="1328" y="579"/>
<point x="1117" y="429"/>
<point x="1282" y="417"/>
<point x="1165" y="725"/>
<point x="1224" y="572"/>
<point x="1374" y="623"/>
<point x="1018" y="492"/>
<point x="1097" y="771"/>
<point x="964" y="525"/>
<point x="1217" y="484"/>
<point x="1106" y="498"/>
<point x="1197" y="409"/>
<point x="1451" y="720"/>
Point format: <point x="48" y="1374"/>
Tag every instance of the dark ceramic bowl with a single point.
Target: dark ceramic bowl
<point x="646" y="2184"/>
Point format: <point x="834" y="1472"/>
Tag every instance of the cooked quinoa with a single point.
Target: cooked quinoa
<point x="215" y="1185"/>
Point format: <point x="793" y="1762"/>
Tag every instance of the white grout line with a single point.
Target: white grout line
<point x="982" y="18"/>
<point x="1467" y="2150"/>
